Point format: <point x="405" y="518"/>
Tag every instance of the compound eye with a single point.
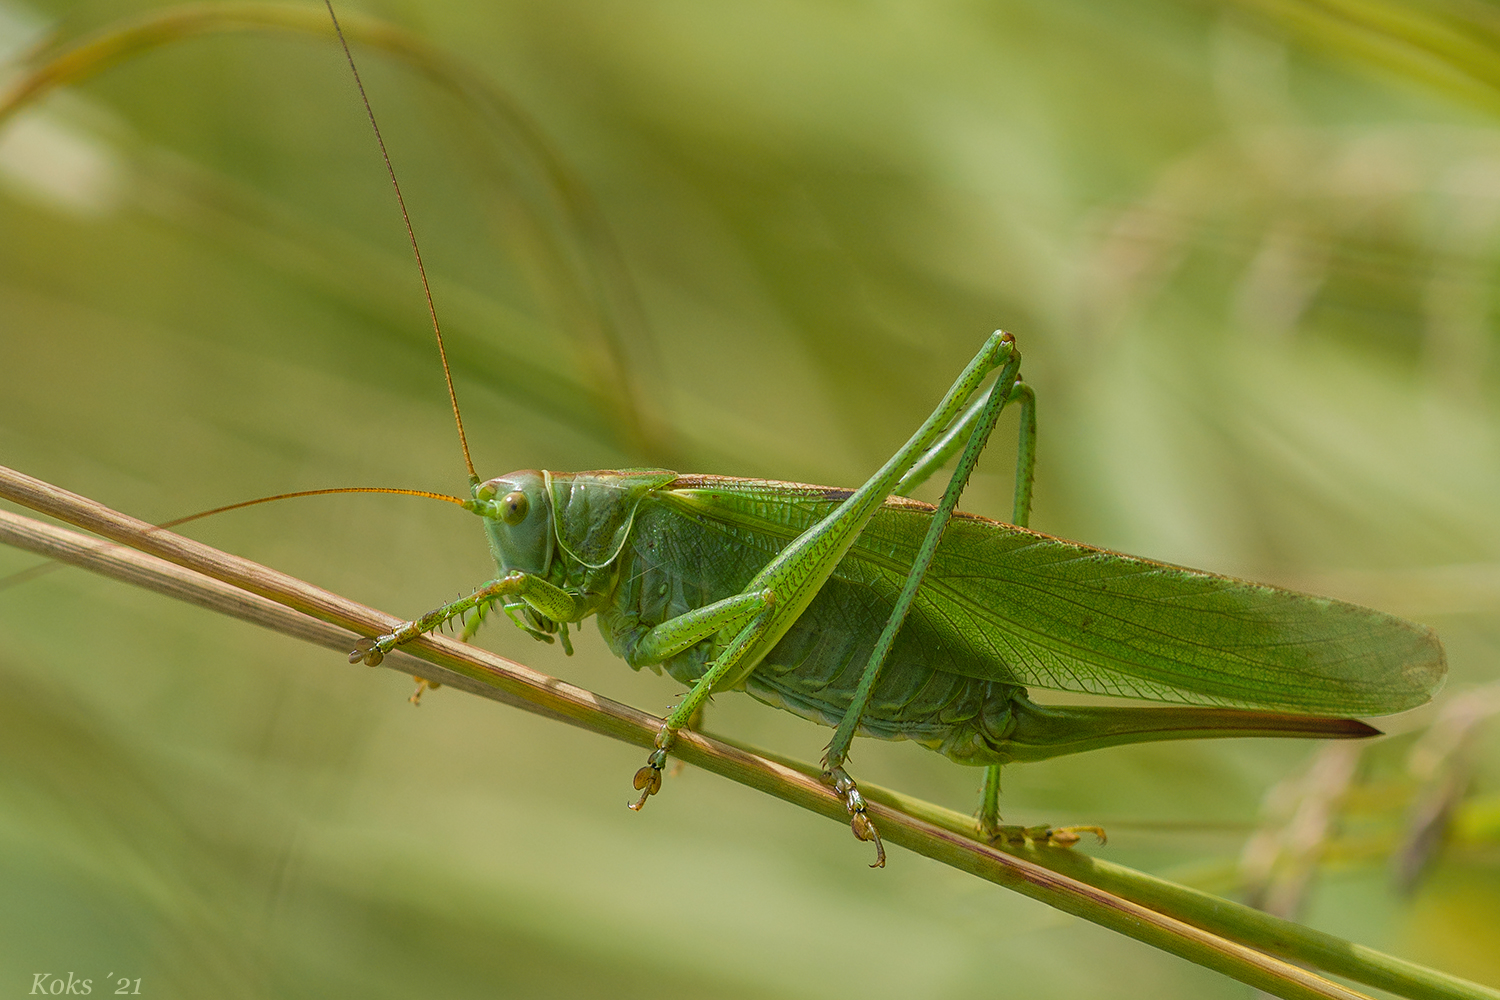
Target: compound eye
<point x="514" y="507"/>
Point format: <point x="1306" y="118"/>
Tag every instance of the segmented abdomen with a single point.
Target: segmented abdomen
<point x="675" y="563"/>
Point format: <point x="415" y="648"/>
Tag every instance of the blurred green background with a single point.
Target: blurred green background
<point x="1249" y="252"/>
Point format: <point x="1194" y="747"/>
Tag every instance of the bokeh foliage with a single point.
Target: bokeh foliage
<point x="1250" y="264"/>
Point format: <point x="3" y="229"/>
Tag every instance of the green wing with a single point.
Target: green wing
<point x="1007" y="604"/>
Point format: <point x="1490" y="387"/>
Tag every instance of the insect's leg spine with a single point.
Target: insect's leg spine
<point x="1003" y="354"/>
<point x="989" y="799"/>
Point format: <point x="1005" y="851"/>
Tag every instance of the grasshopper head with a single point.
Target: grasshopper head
<point x="517" y="516"/>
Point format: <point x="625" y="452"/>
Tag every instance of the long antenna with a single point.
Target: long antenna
<point x="310" y="493"/>
<point x="437" y="330"/>
<point x="42" y="569"/>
